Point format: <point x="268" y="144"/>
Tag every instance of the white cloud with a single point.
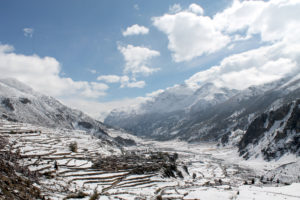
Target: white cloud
<point x="109" y="78"/>
<point x="126" y="82"/>
<point x="137" y="60"/>
<point x="135" y="30"/>
<point x="137" y="84"/>
<point x="253" y="67"/>
<point x="273" y="20"/>
<point x="123" y="80"/>
<point x="175" y="8"/>
<point x="196" y="9"/>
<point x="277" y="22"/>
<point x="28" y="32"/>
<point x="43" y="74"/>
<point x="190" y="35"/>
<point x="99" y="86"/>
<point x="238" y="16"/>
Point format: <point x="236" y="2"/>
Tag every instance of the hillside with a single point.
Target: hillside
<point x="20" y="103"/>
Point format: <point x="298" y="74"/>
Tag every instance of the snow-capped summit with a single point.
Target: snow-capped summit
<point x="164" y="111"/>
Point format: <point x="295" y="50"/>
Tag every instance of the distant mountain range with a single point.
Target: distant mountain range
<point x="261" y="120"/>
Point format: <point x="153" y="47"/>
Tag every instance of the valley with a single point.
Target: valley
<point x="200" y="171"/>
<point x="150" y="100"/>
<point x="227" y="145"/>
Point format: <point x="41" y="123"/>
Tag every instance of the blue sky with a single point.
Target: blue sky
<point x="85" y="40"/>
<point x="83" y="36"/>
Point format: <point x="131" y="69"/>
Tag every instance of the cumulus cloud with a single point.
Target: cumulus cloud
<point x="135" y="30"/>
<point x="43" y="74"/>
<point x="28" y="32"/>
<point x="276" y="22"/>
<point x="190" y="35"/>
<point x="137" y="60"/>
<point x="253" y="67"/>
<point x="136" y="64"/>
<point x="272" y="20"/>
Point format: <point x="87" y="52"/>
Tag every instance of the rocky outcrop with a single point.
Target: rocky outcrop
<point x="273" y="133"/>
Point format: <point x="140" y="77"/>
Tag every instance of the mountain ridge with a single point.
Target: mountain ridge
<point x="216" y="120"/>
<point x="20" y="103"/>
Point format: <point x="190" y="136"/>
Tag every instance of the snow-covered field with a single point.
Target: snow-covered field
<point x="208" y="172"/>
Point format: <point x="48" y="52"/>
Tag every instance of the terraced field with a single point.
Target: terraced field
<point x="65" y="173"/>
<point x="75" y="165"/>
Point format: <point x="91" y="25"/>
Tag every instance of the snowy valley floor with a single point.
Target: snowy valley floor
<point x="208" y="172"/>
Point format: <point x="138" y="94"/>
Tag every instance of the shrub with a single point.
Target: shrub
<point x="73" y="147"/>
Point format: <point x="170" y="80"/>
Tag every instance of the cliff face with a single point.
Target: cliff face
<point x="273" y="133"/>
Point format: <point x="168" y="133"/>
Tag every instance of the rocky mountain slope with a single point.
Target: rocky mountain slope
<point x="273" y="133"/>
<point x="20" y="103"/>
<point x="220" y="114"/>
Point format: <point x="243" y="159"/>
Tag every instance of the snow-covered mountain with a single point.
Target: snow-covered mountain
<point x="218" y="114"/>
<point x="20" y="103"/>
<point x="273" y="133"/>
<point x="161" y="116"/>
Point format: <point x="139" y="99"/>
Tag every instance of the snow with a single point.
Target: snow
<point x="292" y="84"/>
<point x="181" y="98"/>
<point x="220" y="172"/>
<point x="248" y="193"/>
<point x="211" y="194"/>
<point x="274" y="193"/>
<point x="121" y="133"/>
